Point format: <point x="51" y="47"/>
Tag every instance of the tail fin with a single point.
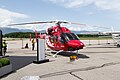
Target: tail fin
<point x="40" y="35"/>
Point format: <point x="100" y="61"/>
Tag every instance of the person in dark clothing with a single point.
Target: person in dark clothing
<point x="26" y="46"/>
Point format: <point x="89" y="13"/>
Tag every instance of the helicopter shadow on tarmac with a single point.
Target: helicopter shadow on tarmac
<point x="68" y="54"/>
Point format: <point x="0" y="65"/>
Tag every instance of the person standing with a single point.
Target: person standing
<point x="33" y="44"/>
<point x="4" y="46"/>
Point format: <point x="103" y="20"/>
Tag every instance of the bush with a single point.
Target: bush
<point x="4" y="61"/>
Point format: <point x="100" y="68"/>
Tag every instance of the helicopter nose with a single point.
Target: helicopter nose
<point x="76" y="44"/>
<point x="79" y="45"/>
<point x="82" y="44"/>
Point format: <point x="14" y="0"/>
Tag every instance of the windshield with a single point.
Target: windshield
<point x="71" y="36"/>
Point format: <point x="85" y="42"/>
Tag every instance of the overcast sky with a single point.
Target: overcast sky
<point x="105" y="13"/>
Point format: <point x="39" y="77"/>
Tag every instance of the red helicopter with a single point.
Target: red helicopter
<point x="59" y="38"/>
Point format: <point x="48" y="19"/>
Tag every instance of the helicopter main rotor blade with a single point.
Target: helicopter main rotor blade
<point x="29" y="23"/>
<point x="77" y="24"/>
<point x="101" y="27"/>
<point x="65" y="22"/>
<point x="37" y="23"/>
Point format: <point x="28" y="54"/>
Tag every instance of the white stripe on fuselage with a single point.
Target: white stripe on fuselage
<point x="49" y="43"/>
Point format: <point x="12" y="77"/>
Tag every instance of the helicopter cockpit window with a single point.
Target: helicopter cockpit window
<point x="62" y="39"/>
<point x="71" y="36"/>
<point x="52" y="38"/>
<point x="56" y="38"/>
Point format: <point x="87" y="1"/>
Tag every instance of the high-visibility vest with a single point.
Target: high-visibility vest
<point x="4" y="44"/>
<point x="33" y="42"/>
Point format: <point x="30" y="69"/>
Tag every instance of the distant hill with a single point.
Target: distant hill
<point x="79" y="32"/>
<point x="85" y="32"/>
<point x="6" y="30"/>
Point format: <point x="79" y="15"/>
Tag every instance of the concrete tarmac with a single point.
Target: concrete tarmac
<point x="97" y="61"/>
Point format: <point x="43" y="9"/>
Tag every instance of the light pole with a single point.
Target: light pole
<point x="22" y="43"/>
<point x="98" y="40"/>
<point x="1" y="43"/>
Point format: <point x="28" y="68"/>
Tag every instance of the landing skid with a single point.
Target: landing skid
<point x="55" y="55"/>
<point x="57" y="52"/>
<point x="74" y="52"/>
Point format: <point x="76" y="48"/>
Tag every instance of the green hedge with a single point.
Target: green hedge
<point x="20" y="35"/>
<point x="4" y="61"/>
